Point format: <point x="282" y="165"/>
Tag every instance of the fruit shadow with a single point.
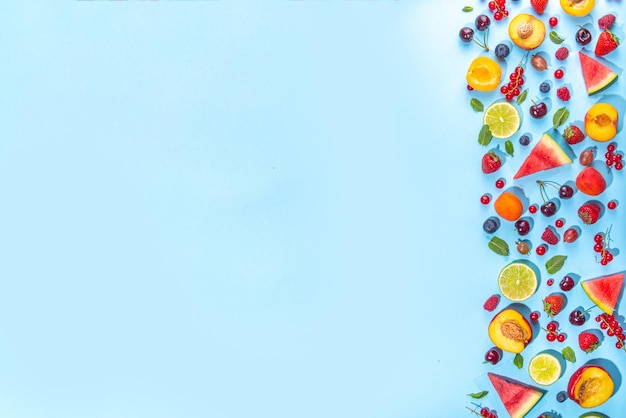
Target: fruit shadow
<point x="611" y="368"/>
<point x="618" y="103"/>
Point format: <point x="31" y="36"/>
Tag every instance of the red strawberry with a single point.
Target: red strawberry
<point x="550" y="236"/>
<point x="573" y="135"/>
<point x="588" y="341"/>
<point x="539" y="5"/>
<point x="553" y="304"/>
<point x="607" y="42"/>
<point x="491" y="162"/>
<point x="606" y="21"/>
<point x="563" y="94"/>
<point x="590" y="212"/>
<point x="492" y="303"/>
<point x="561" y="53"/>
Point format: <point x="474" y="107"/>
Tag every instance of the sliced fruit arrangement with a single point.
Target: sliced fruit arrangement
<point x="597" y="76"/>
<point x="517" y="397"/>
<point x="546" y="154"/>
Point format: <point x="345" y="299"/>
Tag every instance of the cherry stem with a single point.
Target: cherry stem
<point x="544" y="195"/>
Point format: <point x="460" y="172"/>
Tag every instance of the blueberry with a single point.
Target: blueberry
<point x="544" y="87"/>
<point x="502" y="51"/>
<point x="561" y="396"/>
<point x="524" y="140"/>
<point x="491" y="225"/>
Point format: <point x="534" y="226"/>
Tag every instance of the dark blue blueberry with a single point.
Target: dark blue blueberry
<point x="502" y="51"/>
<point x="524" y="140"/>
<point x="561" y="396"/>
<point x="544" y="87"/>
<point x="491" y="225"/>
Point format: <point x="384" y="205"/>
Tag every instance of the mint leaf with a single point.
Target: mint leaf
<point x="477" y="105"/>
<point x="478" y="395"/>
<point x="508" y="147"/>
<point x="569" y="355"/>
<point x="555" y="263"/>
<point x="522" y="97"/>
<point x="554" y="37"/>
<point x="468" y="9"/>
<point x="499" y="246"/>
<point x="518" y="361"/>
<point x="560" y="116"/>
<point x="485" y="136"/>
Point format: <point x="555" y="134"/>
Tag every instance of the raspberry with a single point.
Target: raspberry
<point x="492" y="303"/>
<point x="550" y="236"/>
<point x="563" y="94"/>
<point x="605" y="22"/>
<point x="561" y="53"/>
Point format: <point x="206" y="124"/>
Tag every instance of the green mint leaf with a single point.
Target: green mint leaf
<point x="478" y="395"/>
<point x="569" y="355"/>
<point x="508" y="147"/>
<point x="477" y="105"/>
<point x="560" y="116"/>
<point x="522" y="97"/>
<point x="555" y="263"/>
<point x="518" y="361"/>
<point x="485" y="136"/>
<point x="554" y="37"/>
<point x="468" y="9"/>
<point x="499" y="246"/>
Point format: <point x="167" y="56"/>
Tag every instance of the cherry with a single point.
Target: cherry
<point x="538" y="110"/>
<point x="482" y="22"/>
<point x="548" y="208"/>
<point x="567" y="283"/>
<point x="583" y="36"/>
<point x="522" y="226"/>
<point x="577" y="317"/>
<point x="565" y="191"/>
<point x="493" y="355"/>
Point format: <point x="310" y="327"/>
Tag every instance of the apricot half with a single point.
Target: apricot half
<point x="590" y="386"/>
<point x="590" y="181"/>
<point x="601" y="122"/>
<point x="484" y="74"/>
<point x="578" y="8"/>
<point x="509" y="206"/>
<point x="510" y="331"/>
<point x="526" y="31"/>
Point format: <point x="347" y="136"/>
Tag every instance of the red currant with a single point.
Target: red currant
<point x="550" y="282"/>
<point x="485" y="199"/>
<point x="553" y="21"/>
<point x="612" y="204"/>
<point x="541" y="250"/>
<point x="618" y="345"/>
<point x="551" y="336"/>
<point x="598" y="238"/>
<point x="609" y="156"/>
<point x="598" y="248"/>
<point x="532" y="209"/>
<point x="559" y="223"/>
<point x="611" y="147"/>
<point x="558" y="74"/>
<point x="484" y="412"/>
<point x="469" y="88"/>
<point x="500" y="183"/>
<point x="498" y="16"/>
<point x="619" y="165"/>
<point x="534" y="316"/>
<point x="504" y="89"/>
<point x="560" y="338"/>
<point x="492" y="5"/>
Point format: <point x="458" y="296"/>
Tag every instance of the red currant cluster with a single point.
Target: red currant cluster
<point x="609" y="324"/>
<point x="512" y="89"/>
<point x="601" y="246"/>
<point x="499" y="9"/>
<point x="484" y="412"/>
<point x="552" y="332"/>
<point x="613" y="159"/>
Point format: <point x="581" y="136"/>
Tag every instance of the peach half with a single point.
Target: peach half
<point x="601" y="122"/>
<point x="590" y="386"/>
<point x="578" y="8"/>
<point x="526" y="31"/>
<point x="510" y="331"/>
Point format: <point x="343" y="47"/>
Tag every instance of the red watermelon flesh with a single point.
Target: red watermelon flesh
<point x="518" y="398"/>
<point x="545" y="155"/>
<point x="604" y="291"/>
<point x="597" y="76"/>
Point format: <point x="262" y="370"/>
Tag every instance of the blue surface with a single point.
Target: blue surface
<point x="229" y="210"/>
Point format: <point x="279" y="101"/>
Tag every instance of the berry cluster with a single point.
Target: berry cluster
<point x="498" y="7"/>
<point x="613" y="159"/>
<point x="609" y="324"/>
<point x="512" y="89"/>
<point x="553" y="333"/>
<point x="601" y="246"/>
<point x="484" y="412"/>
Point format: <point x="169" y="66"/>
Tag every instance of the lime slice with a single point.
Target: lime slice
<point x="544" y="369"/>
<point x="503" y="119"/>
<point x="517" y="281"/>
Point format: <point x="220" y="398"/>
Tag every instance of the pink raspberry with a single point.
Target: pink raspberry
<point x="563" y="94"/>
<point x="561" y="53"/>
<point x="492" y="303"/>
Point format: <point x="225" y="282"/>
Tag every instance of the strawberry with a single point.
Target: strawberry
<point x="539" y="5"/>
<point x="491" y="303"/>
<point x="573" y="135"/>
<point x="553" y="304"/>
<point x="550" y="236"/>
<point x="491" y="162"/>
<point x="588" y="341"/>
<point x="606" y="21"/>
<point x="563" y="94"/>
<point x="561" y="53"/>
<point x="590" y="212"/>
<point x="607" y="42"/>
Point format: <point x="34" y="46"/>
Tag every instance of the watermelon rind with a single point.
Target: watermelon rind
<point x="546" y="154"/>
<point x="597" y="76"/>
<point x="604" y="291"/>
<point x="518" y="398"/>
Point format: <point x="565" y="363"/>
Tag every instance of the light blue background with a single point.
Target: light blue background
<point x="239" y="209"/>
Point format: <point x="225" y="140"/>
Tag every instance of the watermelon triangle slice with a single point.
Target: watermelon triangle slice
<point x="604" y="291"/>
<point x="518" y="398"/>
<point x="545" y="155"/>
<point x="597" y="76"/>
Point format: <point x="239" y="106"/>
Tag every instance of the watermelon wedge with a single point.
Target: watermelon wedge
<point x="518" y="398"/>
<point x="604" y="291"/>
<point x="545" y="155"/>
<point x="597" y="76"/>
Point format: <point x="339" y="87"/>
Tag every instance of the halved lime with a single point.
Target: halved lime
<point x="544" y="369"/>
<point x="503" y="119"/>
<point x="517" y="281"/>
